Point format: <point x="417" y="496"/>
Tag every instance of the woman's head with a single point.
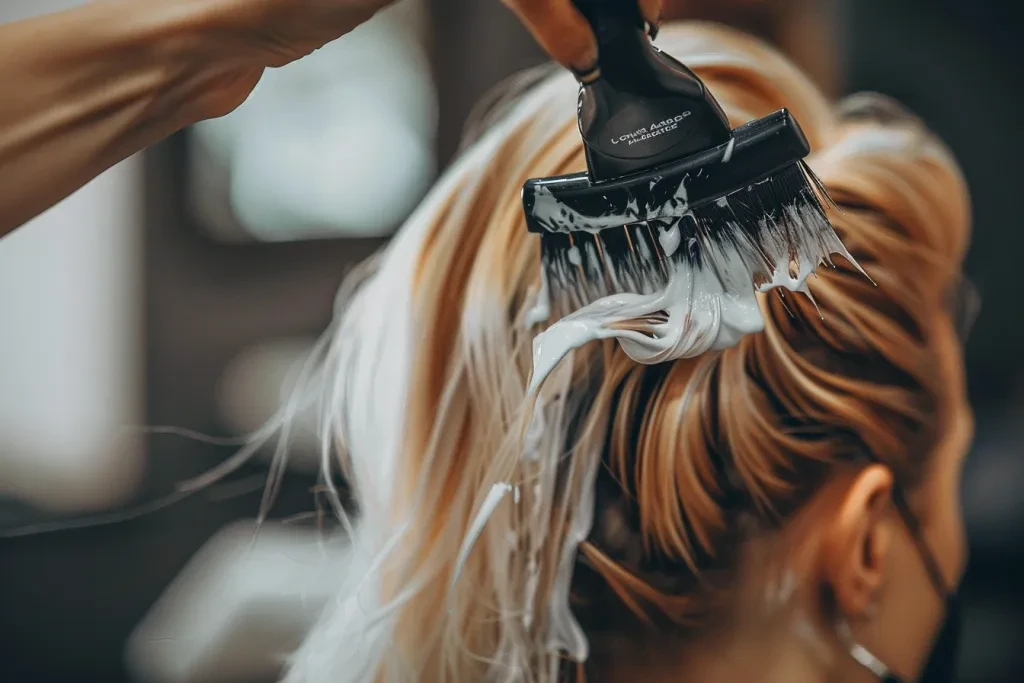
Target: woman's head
<point x="781" y="465"/>
<point x="739" y="509"/>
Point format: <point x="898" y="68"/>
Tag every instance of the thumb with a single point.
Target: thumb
<point x="560" y="29"/>
<point x="563" y="32"/>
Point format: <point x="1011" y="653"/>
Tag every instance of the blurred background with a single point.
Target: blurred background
<point x="185" y="286"/>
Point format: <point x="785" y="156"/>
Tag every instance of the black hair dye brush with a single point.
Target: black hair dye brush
<point x="669" y="184"/>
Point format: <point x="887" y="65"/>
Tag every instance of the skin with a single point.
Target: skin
<point x="88" y="87"/>
<point x="851" y="550"/>
<point x="851" y="556"/>
<point x="565" y="34"/>
<point x="869" y="558"/>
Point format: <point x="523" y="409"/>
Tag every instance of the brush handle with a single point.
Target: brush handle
<point x="644" y="108"/>
<point x="619" y="29"/>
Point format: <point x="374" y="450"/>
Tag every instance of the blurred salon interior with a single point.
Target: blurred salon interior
<point x="182" y="291"/>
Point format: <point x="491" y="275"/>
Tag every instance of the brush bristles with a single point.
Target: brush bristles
<point x="768" y="222"/>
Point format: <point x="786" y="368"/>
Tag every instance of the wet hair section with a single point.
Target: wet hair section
<point x="510" y="523"/>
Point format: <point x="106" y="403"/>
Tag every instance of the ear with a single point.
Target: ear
<point x="857" y="542"/>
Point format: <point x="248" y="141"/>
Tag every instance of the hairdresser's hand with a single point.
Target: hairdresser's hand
<point x="565" y="34"/>
<point x="274" y="33"/>
<point x="277" y="32"/>
<point x="84" y="88"/>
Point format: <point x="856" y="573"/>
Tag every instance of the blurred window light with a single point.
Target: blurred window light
<point x="340" y="144"/>
<point x="70" y="356"/>
<point x="240" y="607"/>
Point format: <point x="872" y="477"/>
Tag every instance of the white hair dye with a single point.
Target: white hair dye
<point x="701" y="309"/>
<point x="368" y="369"/>
<point x="366" y="380"/>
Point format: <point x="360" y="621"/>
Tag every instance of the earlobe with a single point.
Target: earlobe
<point x="856" y="543"/>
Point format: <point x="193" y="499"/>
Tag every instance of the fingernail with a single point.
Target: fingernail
<point x="652" y="29"/>
<point x="588" y="74"/>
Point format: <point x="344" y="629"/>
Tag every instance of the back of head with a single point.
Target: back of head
<point x="479" y="523"/>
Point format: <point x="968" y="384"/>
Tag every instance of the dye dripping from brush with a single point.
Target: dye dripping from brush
<point x="543" y="467"/>
<point x="541" y="309"/>
<point x="669" y="239"/>
<point x="727" y="156"/>
<point x="701" y="308"/>
<point x="494" y="498"/>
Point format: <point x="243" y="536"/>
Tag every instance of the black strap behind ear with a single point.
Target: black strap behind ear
<point x="931" y="566"/>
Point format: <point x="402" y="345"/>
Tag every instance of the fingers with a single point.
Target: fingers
<point x="651" y="11"/>
<point x="560" y="29"/>
<point x="563" y="32"/>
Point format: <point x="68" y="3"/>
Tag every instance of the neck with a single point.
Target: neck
<point x="790" y="652"/>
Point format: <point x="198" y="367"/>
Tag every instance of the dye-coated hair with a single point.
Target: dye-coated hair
<point x="478" y="555"/>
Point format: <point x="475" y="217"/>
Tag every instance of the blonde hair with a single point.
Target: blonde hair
<point x="478" y="500"/>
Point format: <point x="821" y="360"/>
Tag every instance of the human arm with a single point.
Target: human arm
<point x="82" y="89"/>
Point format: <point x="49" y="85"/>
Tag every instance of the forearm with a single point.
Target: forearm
<point x="83" y="89"/>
